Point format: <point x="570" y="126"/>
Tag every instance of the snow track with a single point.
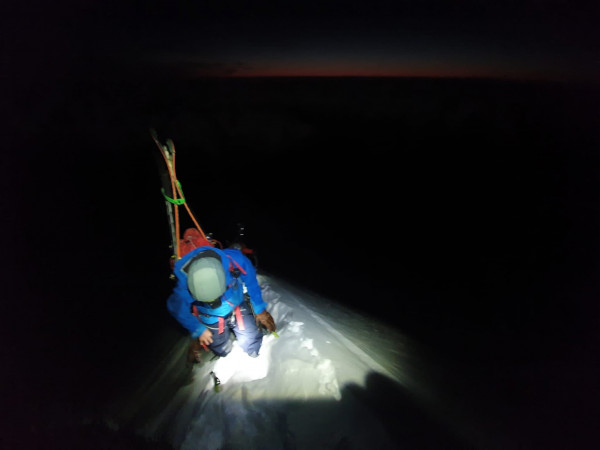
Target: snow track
<point x="307" y="388"/>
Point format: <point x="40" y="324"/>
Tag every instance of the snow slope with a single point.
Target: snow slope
<point x="332" y="379"/>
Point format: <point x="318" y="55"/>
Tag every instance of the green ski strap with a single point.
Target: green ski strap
<point x="175" y="201"/>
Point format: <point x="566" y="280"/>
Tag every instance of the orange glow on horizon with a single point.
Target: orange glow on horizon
<point x="331" y="70"/>
<point x="371" y="74"/>
<point x="346" y="72"/>
<point x="379" y="67"/>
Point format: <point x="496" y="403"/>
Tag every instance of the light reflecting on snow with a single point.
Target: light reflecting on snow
<point x="237" y="366"/>
<point x="295" y="391"/>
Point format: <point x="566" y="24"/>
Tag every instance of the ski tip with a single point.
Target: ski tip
<point x="171" y="146"/>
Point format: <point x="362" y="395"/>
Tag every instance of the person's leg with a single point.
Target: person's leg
<point x="221" y="344"/>
<point x="249" y="339"/>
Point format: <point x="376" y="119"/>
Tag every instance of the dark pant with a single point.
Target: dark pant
<point x="249" y="339"/>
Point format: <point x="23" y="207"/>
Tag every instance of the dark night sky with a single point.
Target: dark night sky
<point x="76" y="131"/>
<point x="529" y="39"/>
<point x="76" y="122"/>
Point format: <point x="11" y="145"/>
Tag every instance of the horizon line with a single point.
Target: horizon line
<point x="407" y="77"/>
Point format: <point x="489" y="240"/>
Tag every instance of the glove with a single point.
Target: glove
<point x="194" y="352"/>
<point x="266" y="320"/>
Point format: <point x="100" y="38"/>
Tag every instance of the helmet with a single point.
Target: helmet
<point x="206" y="277"/>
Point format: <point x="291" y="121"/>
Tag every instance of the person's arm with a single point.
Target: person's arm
<point x="251" y="282"/>
<point x="179" y="307"/>
<point x="258" y="303"/>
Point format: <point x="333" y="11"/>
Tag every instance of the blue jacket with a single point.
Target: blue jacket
<point x="180" y="301"/>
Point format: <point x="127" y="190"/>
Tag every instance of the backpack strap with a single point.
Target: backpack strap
<point x="232" y="269"/>
<point x="238" y="316"/>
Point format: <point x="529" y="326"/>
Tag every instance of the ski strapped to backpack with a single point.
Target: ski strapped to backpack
<point x="174" y="198"/>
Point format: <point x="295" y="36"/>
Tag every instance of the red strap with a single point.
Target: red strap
<point x="221" y="325"/>
<point x="236" y="264"/>
<point x="197" y="314"/>
<point x="238" y="317"/>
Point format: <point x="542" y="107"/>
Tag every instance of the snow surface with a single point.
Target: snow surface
<point x="320" y="384"/>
